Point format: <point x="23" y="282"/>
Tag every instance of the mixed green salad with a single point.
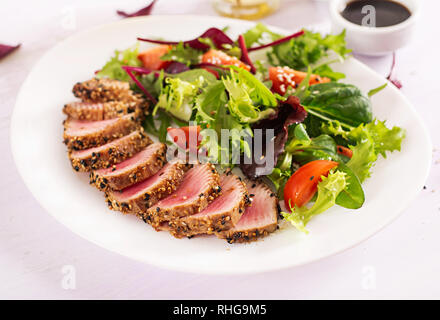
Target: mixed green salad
<point x="326" y="138"/>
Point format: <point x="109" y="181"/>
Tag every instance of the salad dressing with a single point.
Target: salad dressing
<point x="388" y="12"/>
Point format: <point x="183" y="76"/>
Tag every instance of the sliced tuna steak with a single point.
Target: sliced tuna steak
<point x="83" y="134"/>
<point x="141" y="166"/>
<point x="142" y="195"/>
<point x="259" y="219"/>
<point x="221" y="214"/>
<point x="109" y="154"/>
<point x="199" y="187"/>
<point x="104" y="90"/>
<point x="101" y="111"/>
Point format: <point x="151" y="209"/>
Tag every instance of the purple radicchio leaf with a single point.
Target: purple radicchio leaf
<point x="390" y="76"/>
<point x="217" y="36"/>
<point x="142" y="12"/>
<point x="176" y="67"/>
<point x="6" y="50"/>
<point x="289" y="112"/>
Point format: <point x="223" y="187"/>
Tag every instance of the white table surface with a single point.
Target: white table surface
<point x="401" y="261"/>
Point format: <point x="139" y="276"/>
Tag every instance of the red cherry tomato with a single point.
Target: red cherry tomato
<point x="344" y="151"/>
<point x="218" y="57"/>
<point x="185" y="137"/>
<point x="303" y="184"/>
<point x="283" y="77"/>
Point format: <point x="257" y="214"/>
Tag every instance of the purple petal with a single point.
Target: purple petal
<point x="142" y="12"/>
<point x="6" y="50"/>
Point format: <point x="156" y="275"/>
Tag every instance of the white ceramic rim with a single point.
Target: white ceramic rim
<point x="336" y="7"/>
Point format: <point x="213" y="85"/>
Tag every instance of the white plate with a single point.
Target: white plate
<point x="40" y="155"/>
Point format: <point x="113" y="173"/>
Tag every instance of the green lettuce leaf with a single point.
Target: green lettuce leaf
<point x="384" y="139"/>
<point x="328" y="190"/>
<point x="260" y="34"/>
<point x="248" y="97"/>
<point x="372" y="92"/>
<point x="177" y="97"/>
<point x="258" y="92"/>
<point x="112" y="69"/>
<point x="183" y="54"/>
<point x="325" y="70"/>
<point x="304" y="51"/>
<point x="363" y="159"/>
<point x="367" y="141"/>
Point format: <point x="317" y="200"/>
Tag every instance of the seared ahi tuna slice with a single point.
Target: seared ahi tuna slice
<point x="199" y="187"/>
<point x="104" y="90"/>
<point x="82" y="134"/>
<point x="141" y="166"/>
<point x="259" y="219"/>
<point x="142" y="195"/>
<point x="221" y="214"/>
<point x="101" y="111"/>
<point x="109" y="154"/>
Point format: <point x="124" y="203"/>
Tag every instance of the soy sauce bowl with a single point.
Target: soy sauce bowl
<point x="374" y="41"/>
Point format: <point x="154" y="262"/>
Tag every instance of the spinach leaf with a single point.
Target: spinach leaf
<point x="322" y="147"/>
<point x="352" y="197"/>
<point x="338" y="101"/>
<point x="325" y="70"/>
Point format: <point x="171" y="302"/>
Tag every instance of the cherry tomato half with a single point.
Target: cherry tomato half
<point x="303" y="184"/>
<point x="185" y="137"/>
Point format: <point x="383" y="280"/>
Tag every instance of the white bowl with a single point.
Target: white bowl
<point x="371" y="40"/>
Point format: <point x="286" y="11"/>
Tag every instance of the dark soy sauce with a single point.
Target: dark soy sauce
<point x="388" y="13"/>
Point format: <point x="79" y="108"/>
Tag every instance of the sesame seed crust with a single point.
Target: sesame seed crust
<point x="102" y="111"/>
<point x="114" y="152"/>
<point x="125" y="178"/>
<point x="252" y="234"/>
<point x="115" y="130"/>
<point x="158" y="215"/>
<point x="220" y="221"/>
<point x="169" y="182"/>
<point x="105" y="90"/>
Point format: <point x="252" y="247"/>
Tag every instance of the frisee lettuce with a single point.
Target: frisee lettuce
<point x="112" y="69"/>
<point x="367" y="141"/>
<point x="177" y="97"/>
<point x="309" y="50"/>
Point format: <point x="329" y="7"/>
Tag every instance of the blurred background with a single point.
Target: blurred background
<point x="31" y="264"/>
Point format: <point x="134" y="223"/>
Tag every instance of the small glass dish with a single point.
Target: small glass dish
<point x="246" y="9"/>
